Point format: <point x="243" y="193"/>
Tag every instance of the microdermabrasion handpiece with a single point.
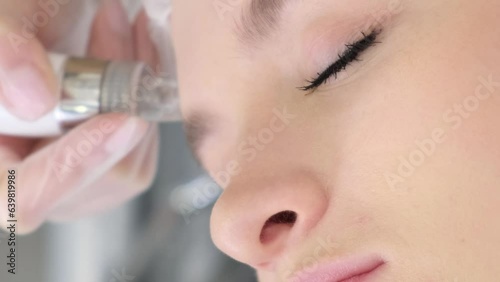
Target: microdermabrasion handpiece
<point x="90" y="87"/>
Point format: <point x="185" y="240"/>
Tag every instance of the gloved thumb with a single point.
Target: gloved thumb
<point x="28" y="85"/>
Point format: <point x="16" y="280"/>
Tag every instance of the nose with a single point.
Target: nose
<point x="257" y="221"/>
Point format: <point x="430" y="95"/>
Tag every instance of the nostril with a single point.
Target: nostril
<point x="277" y="225"/>
<point x="284" y="217"/>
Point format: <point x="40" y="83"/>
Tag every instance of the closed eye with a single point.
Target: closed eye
<point x="351" y="54"/>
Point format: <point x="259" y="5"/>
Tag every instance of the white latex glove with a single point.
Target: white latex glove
<point x="98" y="165"/>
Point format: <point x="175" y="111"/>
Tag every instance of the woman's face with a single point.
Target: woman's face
<point x="392" y="164"/>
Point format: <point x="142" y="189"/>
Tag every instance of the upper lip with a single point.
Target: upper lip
<point x="339" y="270"/>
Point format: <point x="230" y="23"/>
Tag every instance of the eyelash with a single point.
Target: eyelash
<point x="351" y="54"/>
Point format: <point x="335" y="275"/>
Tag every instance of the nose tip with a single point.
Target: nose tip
<point x="257" y="222"/>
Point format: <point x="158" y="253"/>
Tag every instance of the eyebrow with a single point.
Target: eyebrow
<point x="259" y="19"/>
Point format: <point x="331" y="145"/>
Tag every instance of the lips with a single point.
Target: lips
<point x="359" y="269"/>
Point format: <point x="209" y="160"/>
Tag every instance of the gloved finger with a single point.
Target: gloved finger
<point x="133" y="174"/>
<point x="126" y="180"/>
<point x="14" y="149"/>
<point x="73" y="162"/>
<point x="28" y="85"/>
<point x="145" y="49"/>
<point x="111" y="35"/>
<point x="47" y="20"/>
<point x="110" y="39"/>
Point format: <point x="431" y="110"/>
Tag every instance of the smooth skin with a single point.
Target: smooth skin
<point x="399" y="157"/>
<point x="98" y="165"/>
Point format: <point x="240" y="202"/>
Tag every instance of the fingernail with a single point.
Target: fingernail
<point x="126" y="137"/>
<point x="117" y="17"/>
<point x="26" y="93"/>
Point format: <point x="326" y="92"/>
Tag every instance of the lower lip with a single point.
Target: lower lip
<point x="365" y="277"/>
<point x="350" y="270"/>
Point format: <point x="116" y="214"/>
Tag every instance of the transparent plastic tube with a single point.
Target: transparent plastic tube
<point x="90" y="87"/>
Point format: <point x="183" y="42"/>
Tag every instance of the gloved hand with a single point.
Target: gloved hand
<point x="96" y="166"/>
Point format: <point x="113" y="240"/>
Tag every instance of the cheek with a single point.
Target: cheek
<point x="421" y="92"/>
<point x="430" y="123"/>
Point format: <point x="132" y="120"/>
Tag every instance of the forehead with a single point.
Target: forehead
<point x="247" y="21"/>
